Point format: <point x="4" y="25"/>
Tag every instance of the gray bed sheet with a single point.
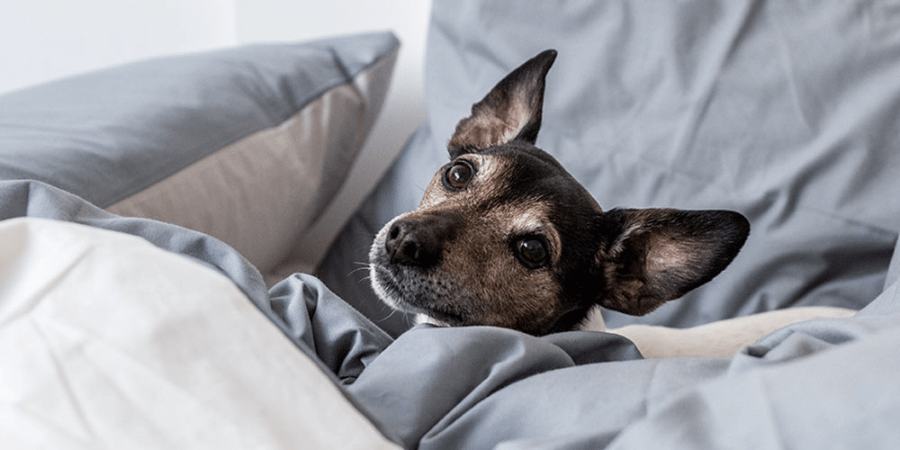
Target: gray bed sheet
<point x="819" y="384"/>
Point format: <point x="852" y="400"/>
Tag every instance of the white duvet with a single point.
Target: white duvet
<point x="109" y="342"/>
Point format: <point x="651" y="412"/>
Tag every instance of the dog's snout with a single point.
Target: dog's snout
<point x="410" y="244"/>
<point x="417" y="242"/>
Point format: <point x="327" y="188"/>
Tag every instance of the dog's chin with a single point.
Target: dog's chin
<point x="389" y="290"/>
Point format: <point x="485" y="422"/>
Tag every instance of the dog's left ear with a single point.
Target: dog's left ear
<point x="657" y="255"/>
<point x="510" y="111"/>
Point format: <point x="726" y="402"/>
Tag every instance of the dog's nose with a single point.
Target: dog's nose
<point x="415" y="242"/>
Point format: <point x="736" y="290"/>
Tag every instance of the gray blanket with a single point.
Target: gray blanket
<point x="820" y="384"/>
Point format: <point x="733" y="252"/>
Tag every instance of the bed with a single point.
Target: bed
<point x="149" y="236"/>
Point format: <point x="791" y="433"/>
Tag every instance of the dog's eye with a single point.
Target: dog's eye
<point x="532" y="252"/>
<point x="458" y="175"/>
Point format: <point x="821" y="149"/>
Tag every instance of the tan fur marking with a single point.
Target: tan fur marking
<point x="434" y="195"/>
<point x="533" y="220"/>
<point x="485" y="183"/>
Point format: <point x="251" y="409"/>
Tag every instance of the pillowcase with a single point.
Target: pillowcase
<point x="246" y="144"/>
<point x="109" y="341"/>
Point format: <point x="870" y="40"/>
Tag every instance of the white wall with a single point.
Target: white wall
<point x="42" y="40"/>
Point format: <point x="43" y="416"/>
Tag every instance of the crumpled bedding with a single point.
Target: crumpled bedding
<point x="819" y="384"/>
<point x="107" y="341"/>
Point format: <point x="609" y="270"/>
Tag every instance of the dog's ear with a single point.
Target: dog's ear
<point x="510" y="111"/>
<point x="657" y="255"/>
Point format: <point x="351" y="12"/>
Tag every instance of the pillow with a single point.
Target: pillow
<point x="246" y="144"/>
<point x="97" y="352"/>
<point x="783" y="111"/>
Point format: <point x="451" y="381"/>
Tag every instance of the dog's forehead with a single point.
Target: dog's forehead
<point x="531" y="175"/>
<point x="512" y="174"/>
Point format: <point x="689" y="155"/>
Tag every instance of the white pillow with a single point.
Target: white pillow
<point x="109" y="342"/>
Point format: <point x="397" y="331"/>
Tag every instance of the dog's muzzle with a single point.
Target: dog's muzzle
<point x="418" y="241"/>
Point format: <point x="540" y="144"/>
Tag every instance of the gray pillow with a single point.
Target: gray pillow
<point x="247" y="144"/>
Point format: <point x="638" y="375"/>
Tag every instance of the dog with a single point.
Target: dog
<point x="505" y="236"/>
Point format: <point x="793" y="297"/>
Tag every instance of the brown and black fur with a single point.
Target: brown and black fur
<point x="471" y="253"/>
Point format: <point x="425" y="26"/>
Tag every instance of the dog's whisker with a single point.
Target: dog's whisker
<point x="358" y="269"/>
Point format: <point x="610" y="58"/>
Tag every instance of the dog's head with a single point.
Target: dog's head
<point x="504" y="236"/>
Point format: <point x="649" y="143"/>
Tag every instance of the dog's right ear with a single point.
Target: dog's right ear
<point x="510" y="111"/>
<point x="651" y="256"/>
